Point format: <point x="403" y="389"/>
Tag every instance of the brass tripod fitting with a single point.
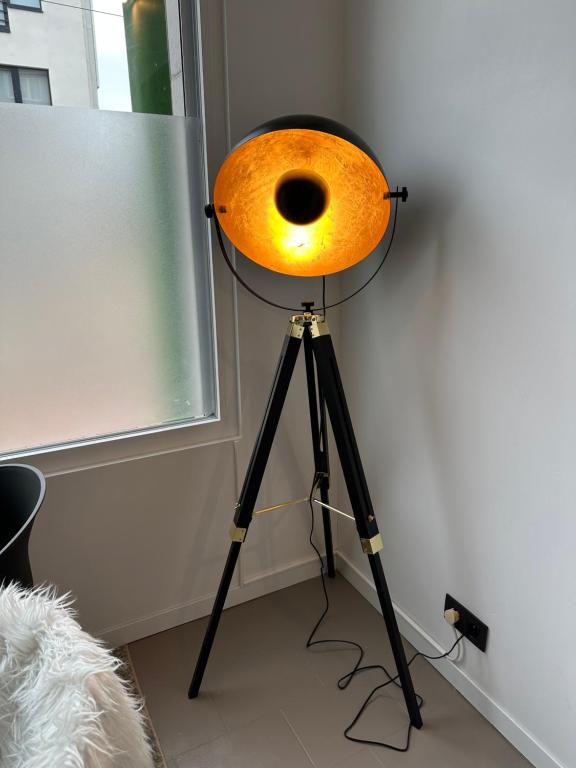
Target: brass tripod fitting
<point x="237" y="534"/>
<point x="295" y="329"/>
<point x="317" y="324"/>
<point x="319" y="327"/>
<point x="373" y="545"/>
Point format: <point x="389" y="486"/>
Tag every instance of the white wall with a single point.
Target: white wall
<point x="57" y="40"/>
<point x="142" y="543"/>
<point x="460" y="360"/>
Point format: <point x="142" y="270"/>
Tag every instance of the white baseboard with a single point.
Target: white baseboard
<point x="524" y="742"/>
<point x="253" y="587"/>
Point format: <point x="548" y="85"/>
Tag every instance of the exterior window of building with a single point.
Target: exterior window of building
<point x="34" y="86"/>
<point x="6" y="86"/>
<point x="27" y="5"/>
<point x="4" y="22"/>
<point x="21" y="85"/>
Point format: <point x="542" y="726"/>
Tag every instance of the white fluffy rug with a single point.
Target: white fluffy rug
<point x="61" y="703"/>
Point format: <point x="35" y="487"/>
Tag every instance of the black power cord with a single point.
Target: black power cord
<point x="346" y="679"/>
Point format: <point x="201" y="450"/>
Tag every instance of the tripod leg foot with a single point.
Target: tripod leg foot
<point x="395" y="640"/>
<point x="214" y="620"/>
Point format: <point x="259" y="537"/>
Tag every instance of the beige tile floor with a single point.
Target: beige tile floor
<point x="268" y="702"/>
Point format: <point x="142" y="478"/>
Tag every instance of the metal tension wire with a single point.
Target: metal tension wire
<point x="293" y="502"/>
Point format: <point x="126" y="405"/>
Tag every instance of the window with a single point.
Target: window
<point x="4" y="22"/>
<point x="121" y="55"/>
<point x="27" y="5"/>
<point x="6" y="85"/>
<point x="21" y="85"/>
<point x="106" y="310"/>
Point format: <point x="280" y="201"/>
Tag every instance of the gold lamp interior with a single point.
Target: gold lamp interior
<point x="302" y="202"/>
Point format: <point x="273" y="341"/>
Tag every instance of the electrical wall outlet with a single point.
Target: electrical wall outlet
<point x="468" y="625"/>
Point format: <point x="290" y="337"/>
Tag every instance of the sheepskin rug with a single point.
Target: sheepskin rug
<point x="62" y="704"/>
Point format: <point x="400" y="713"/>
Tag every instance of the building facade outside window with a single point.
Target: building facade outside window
<point x="103" y="54"/>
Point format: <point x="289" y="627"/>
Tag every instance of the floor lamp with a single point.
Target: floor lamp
<point x="305" y="196"/>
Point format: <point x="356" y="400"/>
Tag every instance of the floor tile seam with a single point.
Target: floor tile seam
<point x="346" y="760"/>
<point x="389" y="738"/>
<point x="227" y="733"/>
<point x="200" y="745"/>
<point x="377" y="752"/>
<point x="214" y="701"/>
<point x="298" y="739"/>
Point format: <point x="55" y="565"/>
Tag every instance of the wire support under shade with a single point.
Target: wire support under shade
<point x="325" y="306"/>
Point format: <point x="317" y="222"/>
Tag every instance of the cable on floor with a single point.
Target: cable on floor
<point x="346" y="679"/>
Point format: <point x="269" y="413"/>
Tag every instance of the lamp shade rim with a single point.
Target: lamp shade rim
<point x="302" y="195"/>
<point x="312" y="123"/>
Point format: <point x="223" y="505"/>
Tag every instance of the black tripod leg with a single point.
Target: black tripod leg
<point x="249" y="493"/>
<point x="212" y="627"/>
<point x="331" y="384"/>
<point x="319" y="446"/>
<point x="325" y="498"/>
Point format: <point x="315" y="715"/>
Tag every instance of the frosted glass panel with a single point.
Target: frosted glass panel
<point x="105" y="288"/>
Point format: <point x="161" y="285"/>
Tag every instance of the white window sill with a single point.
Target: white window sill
<point x="75" y="457"/>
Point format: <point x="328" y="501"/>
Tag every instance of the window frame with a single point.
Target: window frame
<point x="17" y="87"/>
<point x="207" y="93"/>
<point x="25" y="7"/>
<point x="5" y="27"/>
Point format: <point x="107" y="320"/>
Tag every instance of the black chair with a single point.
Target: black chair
<point x="22" y="491"/>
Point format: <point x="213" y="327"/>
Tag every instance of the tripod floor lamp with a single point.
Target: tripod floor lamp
<point x="305" y="196"/>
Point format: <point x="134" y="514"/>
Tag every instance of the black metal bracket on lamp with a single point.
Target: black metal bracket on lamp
<point x="399" y="194"/>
